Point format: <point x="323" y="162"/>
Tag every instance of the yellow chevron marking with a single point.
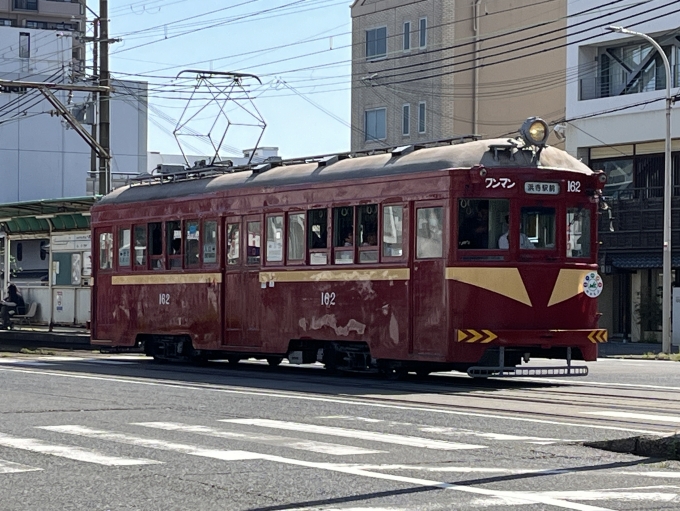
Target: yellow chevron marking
<point x="476" y="336"/>
<point x="490" y="336"/>
<point x="472" y="336"/>
<point x="503" y="281"/>
<point x="569" y="283"/>
<point x="597" y="336"/>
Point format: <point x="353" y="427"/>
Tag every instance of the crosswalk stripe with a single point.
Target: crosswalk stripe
<point x="70" y="452"/>
<point x="152" y="443"/>
<point x="388" y="438"/>
<point x="278" y="441"/>
<point x="8" y="467"/>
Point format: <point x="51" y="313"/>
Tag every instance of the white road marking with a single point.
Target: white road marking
<point x="603" y="495"/>
<point x="153" y="444"/>
<point x="157" y="382"/>
<point x="278" y="441"/>
<point x="388" y="438"/>
<point x="7" y="467"/>
<point x="523" y="497"/>
<point x="642" y="416"/>
<point x="491" y="436"/>
<point x="70" y="452"/>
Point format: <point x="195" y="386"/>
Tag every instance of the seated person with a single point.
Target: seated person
<point x="504" y="242"/>
<point x="12" y="304"/>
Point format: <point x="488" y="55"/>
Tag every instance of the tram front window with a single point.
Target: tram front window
<point x="578" y="232"/>
<point x="481" y="223"/>
<point x="538" y="225"/>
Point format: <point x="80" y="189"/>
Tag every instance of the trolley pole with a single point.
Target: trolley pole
<point x="666" y="298"/>
<point x="104" y="97"/>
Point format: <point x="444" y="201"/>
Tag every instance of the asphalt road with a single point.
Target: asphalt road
<point x="99" y="432"/>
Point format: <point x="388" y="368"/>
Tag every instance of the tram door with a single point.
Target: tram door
<point x="428" y="297"/>
<point x="241" y="300"/>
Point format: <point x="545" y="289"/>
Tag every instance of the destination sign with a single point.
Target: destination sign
<point x="540" y="188"/>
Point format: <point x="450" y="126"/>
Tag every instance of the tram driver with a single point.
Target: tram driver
<point x="504" y="241"/>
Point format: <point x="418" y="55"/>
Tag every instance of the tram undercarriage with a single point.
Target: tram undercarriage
<point x="355" y="357"/>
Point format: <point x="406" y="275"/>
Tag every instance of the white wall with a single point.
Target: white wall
<point x="40" y="158"/>
<point x="630" y="124"/>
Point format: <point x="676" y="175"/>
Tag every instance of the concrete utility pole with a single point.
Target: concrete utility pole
<point x="666" y="295"/>
<point x="104" y="97"/>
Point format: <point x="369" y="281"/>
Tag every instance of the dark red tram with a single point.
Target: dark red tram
<point x="471" y="257"/>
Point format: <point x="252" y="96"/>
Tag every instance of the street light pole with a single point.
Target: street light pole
<point x="666" y="298"/>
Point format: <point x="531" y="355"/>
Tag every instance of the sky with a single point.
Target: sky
<point x="299" y="49"/>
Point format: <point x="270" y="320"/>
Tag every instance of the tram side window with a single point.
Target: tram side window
<point x="317" y="229"/>
<point x="343" y="234"/>
<point x="481" y="223"/>
<point x="367" y="224"/>
<point x="429" y="227"/>
<point x="156" y="245"/>
<point x="192" y="239"/>
<point x="578" y="232"/>
<point x="124" y="247"/>
<point x="538" y="227"/>
<point x="140" y="245"/>
<point x="173" y="236"/>
<point x="105" y="250"/>
<point x="296" y="236"/>
<point x="233" y="244"/>
<point x="275" y="238"/>
<point x="253" y="246"/>
<point x="393" y="218"/>
<point x="209" y="242"/>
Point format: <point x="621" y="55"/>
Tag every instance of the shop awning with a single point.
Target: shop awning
<point x="37" y="217"/>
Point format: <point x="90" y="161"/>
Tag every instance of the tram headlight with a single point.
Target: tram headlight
<point x="535" y="131"/>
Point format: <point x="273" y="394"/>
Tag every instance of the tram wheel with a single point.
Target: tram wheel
<point x="274" y="361"/>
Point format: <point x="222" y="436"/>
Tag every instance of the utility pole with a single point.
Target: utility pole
<point x="104" y="97"/>
<point x="95" y="71"/>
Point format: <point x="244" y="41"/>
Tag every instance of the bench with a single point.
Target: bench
<point x="25" y="319"/>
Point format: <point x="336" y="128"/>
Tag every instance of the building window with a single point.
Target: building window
<point x="407" y="35"/>
<point x="24" y="45"/>
<point x="376" y="43"/>
<point x="421" y="117"/>
<point x="5" y="22"/>
<point x="20" y="251"/>
<point x="26" y="5"/>
<point x="422" y="33"/>
<point x="406" y="120"/>
<point x="375" y="127"/>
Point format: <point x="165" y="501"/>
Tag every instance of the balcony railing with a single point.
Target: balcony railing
<point x="26" y="5"/>
<point x="595" y="87"/>
<point x="637" y="220"/>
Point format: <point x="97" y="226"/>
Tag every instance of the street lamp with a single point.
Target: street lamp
<point x="666" y="298"/>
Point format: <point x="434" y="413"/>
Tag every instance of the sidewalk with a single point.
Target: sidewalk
<point x="617" y="348"/>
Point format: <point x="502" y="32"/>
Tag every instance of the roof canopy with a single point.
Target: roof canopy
<point x="43" y="216"/>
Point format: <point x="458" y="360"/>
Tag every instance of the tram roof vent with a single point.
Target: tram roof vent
<point x="261" y="168"/>
<point x="403" y="150"/>
<point x="328" y="160"/>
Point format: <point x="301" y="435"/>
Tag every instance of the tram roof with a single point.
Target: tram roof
<point x="494" y="153"/>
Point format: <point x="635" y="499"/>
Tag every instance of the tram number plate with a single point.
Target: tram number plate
<point x="573" y="186"/>
<point x="327" y="299"/>
<point x="164" y="299"/>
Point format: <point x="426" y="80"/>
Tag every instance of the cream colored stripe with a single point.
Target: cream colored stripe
<point x="335" y="275"/>
<point x="569" y="283"/>
<point x="504" y="281"/>
<point x="167" y="278"/>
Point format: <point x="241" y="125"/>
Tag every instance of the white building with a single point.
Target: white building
<point x="40" y="157"/>
<point x="616" y="123"/>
